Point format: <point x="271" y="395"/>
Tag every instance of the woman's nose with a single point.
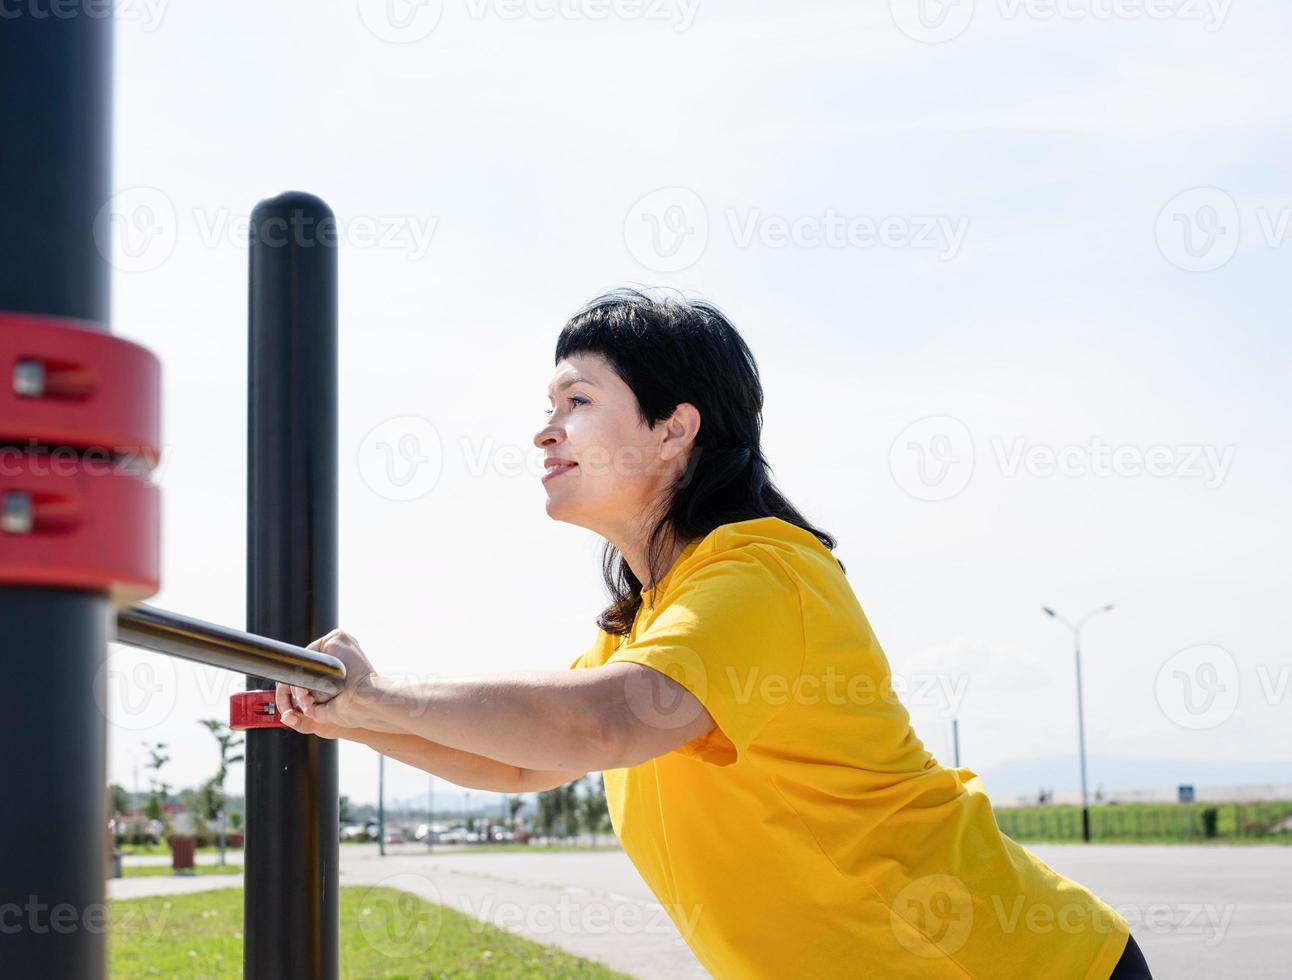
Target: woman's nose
<point x="548" y="435"/>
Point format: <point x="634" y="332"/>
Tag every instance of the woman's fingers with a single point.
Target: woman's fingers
<point x="282" y="699"/>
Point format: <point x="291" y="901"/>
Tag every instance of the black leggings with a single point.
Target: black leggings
<point x="1131" y="966"/>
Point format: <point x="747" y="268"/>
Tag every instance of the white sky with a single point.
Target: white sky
<point x="1043" y="157"/>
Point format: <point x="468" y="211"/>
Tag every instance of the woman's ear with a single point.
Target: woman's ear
<point x="680" y="431"/>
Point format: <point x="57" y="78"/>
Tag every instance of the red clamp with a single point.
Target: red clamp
<point x="253" y="709"/>
<point x="80" y="413"/>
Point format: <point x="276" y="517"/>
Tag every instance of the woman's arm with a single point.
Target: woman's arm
<point x="557" y="721"/>
<point x="608" y="717"/>
<point x="461" y="768"/>
<point x="541" y="720"/>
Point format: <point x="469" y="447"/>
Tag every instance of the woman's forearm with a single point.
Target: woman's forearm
<point x="458" y="767"/>
<point x="540" y="720"/>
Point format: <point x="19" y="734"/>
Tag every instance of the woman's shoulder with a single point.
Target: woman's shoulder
<point x="797" y="549"/>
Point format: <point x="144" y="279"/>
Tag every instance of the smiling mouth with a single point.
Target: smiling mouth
<point x="556" y="471"/>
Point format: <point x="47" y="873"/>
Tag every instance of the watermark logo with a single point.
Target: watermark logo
<point x="1198" y="687"/>
<point x="400" y="916"/>
<point x="933" y="915"/>
<point x="1199" y="229"/>
<point x="137" y="697"/>
<point x="401" y="458"/>
<point x="136" y="229"/>
<point x="933" y="458"/>
<point x="667" y="230"/>
<point x="401" y="21"/>
<point x="938" y="21"/>
<point x="932" y="21"/>
<point x="658" y="703"/>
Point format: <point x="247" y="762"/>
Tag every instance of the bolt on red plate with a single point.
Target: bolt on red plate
<point x="253" y="709"/>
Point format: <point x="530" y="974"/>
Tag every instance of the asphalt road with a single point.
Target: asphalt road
<point x="1197" y="912"/>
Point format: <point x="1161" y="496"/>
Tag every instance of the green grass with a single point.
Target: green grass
<point x="384" y="933"/>
<point x="1149" y="823"/>
<point x="151" y="871"/>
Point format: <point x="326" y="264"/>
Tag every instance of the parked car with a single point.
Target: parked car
<point x="395" y="835"/>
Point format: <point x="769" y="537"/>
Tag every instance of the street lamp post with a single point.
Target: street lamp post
<point x="1081" y="726"/>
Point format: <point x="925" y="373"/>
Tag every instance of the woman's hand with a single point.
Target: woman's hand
<point x="300" y="709"/>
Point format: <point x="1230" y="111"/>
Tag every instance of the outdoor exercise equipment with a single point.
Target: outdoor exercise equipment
<point x="80" y="526"/>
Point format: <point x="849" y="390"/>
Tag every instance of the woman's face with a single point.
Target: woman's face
<point x="621" y="465"/>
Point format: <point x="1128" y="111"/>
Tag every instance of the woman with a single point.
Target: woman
<point x="760" y="773"/>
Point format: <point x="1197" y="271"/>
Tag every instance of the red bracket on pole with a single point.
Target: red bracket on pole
<point x="253" y="709"/>
<point x="80" y="430"/>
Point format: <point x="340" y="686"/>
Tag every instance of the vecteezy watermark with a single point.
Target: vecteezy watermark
<point x="577" y="914"/>
<point x="136" y="696"/>
<point x="933" y="459"/>
<point x="1199" y="687"/>
<point x="932" y="916"/>
<point x="680" y="14"/>
<point x="137" y="230"/>
<point x="932" y="21"/>
<point x="409" y="21"/>
<point x="42" y="918"/>
<point x="38" y="459"/>
<point x="1205" y="919"/>
<point x="400" y="916"/>
<point x="401" y="458"/>
<point x="659" y="704"/>
<point x="146" y="13"/>
<point x="667" y="230"/>
<point x="400" y="21"/>
<point x="1201" y="229"/>
<point x="938" y="21"/>
<point x="138" y="692"/>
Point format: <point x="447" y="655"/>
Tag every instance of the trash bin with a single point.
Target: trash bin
<point x="182" y="849"/>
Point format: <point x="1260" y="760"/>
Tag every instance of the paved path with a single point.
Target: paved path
<point x="1199" y="913"/>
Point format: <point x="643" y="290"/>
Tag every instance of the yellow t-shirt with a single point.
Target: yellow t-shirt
<point x="811" y="834"/>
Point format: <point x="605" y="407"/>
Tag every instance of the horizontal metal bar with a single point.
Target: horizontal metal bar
<point x="156" y="629"/>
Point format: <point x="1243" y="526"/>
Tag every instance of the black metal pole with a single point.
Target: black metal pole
<point x="55" y="117"/>
<point x="291" y="908"/>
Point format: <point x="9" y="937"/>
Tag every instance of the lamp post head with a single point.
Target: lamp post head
<point x="1048" y="611"/>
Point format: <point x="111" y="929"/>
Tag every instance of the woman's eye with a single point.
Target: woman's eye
<point x="573" y="398"/>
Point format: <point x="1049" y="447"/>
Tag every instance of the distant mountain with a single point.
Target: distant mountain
<point x="1122" y="773"/>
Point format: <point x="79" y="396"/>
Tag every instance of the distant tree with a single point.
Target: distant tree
<point x="570" y="807"/>
<point x="593" y="813"/>
<point x="549" y="810"/>
<point x="344" y="814"/>
<point x="514" y="803"/>
<point x="119" y="799"/>
<point x="158" y="790"/>
<point x="211" y="795"/>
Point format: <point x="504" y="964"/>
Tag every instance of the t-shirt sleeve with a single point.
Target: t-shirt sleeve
<point x="730" y="630"/>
